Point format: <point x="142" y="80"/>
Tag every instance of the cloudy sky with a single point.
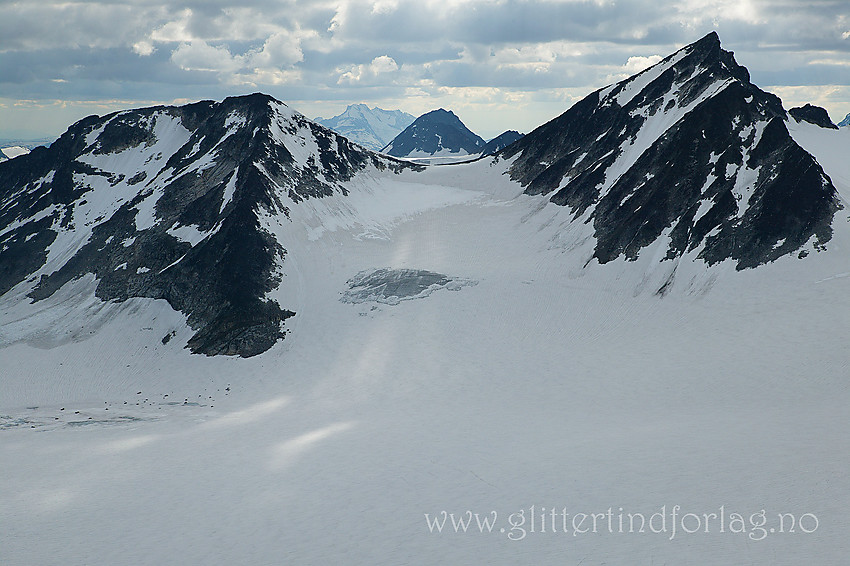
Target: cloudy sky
<point x="498" y="64"/>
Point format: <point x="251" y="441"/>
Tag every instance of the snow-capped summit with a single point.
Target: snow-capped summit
<point x="688" y="153"/>
<point x="182" y="203"/>
<point x="173" y="203"/>
<point x="844" y="122"/>
<point x="438" y="133"/>
<point x="460" y="356"/>
<point x="373" y="128"/>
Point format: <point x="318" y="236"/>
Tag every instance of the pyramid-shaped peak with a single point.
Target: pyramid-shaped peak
<point x="708" y="39"/>
<point x="708" y="54"/>
<point x="693" y="68"/>
<point x="688" y="147"/>
<point x="435" y="133"/>
<point x="706" y="46"/>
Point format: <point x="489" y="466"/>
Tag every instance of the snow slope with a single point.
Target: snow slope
<point x="452" y="349"/>
<point x="163" y="203"/>
<point x="689" y="151"/>
<point x="829" y="146"/>
<point x="542" y="385"/>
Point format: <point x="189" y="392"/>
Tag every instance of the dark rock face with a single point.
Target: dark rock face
<point x="171" y="199"/>
<point x="391" y="286"/>
<point x="688" y="148"/>
<point x="500" y="142"/>
<point x="814" y="115"/>
<point x="432" y="133"/>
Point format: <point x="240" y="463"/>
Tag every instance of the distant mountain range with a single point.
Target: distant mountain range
<point x="844" y="122"/>
<point x="373" y="128"/>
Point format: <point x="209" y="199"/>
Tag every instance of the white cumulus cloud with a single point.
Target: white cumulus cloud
<point x="365" y="73"/>
<point x="198" y="55"/>
<point x="635" y="65"/>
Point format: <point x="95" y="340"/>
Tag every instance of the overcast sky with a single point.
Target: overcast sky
<point x="506" y="64"/>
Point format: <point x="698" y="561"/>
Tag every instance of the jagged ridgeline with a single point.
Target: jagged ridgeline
<point x="164" y="203"/>
<point x="172" y="202"/>
<point x="689" y="150"/>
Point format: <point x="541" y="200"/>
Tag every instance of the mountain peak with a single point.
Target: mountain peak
<point x="704" y="57"/>
<point x="257" y="101"/>
<point x="688" y="149"/>
<point x="436" y="133"/>
<point x="171" y="203"/>
<point x="373" y="128"/>
<point x="709" y="39"/>
<point x="440" y="115"/>
<point x="500" y="142"/>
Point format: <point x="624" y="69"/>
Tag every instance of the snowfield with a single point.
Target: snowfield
<point x="546" y="384"/>
<point x="12" y="152"/>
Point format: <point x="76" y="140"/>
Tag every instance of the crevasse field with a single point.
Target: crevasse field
<point x="527" y="384"/>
